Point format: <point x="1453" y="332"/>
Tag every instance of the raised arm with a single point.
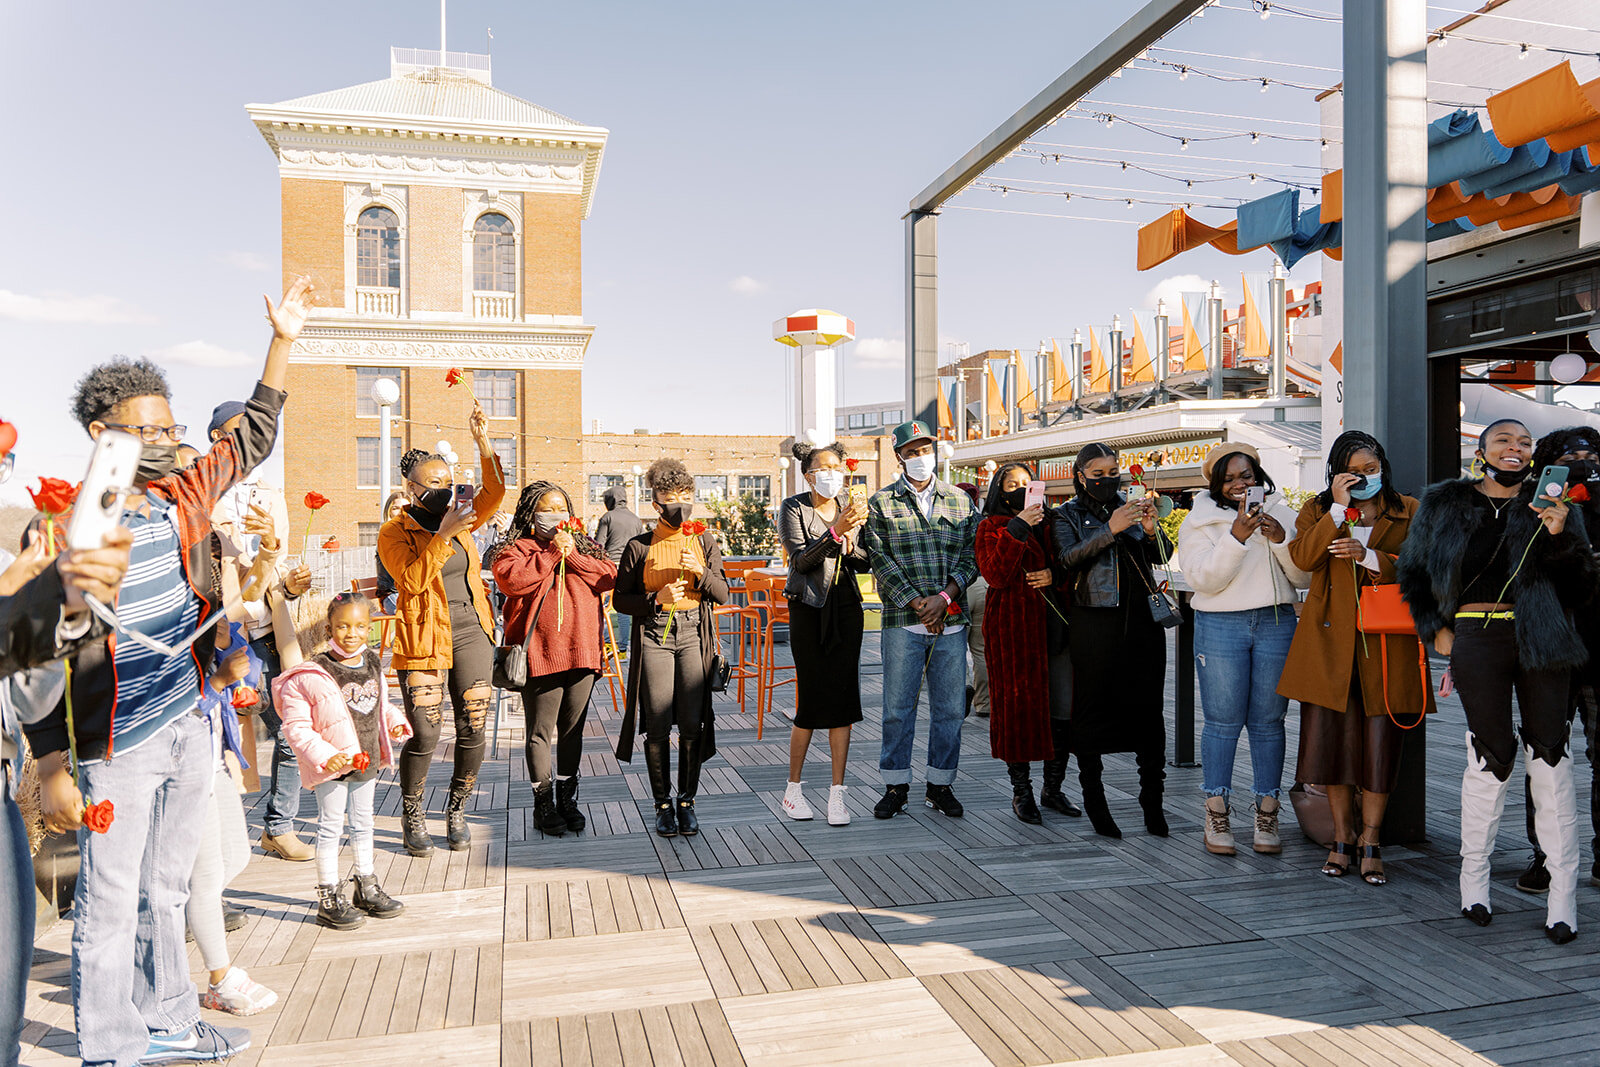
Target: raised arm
<point x="287" y="319"/>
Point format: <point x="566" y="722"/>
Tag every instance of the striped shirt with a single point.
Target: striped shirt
<point x="156" y="600"/>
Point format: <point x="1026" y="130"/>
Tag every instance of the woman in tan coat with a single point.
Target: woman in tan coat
<point x="1348" y="732"/>
<point x="442" y="628"/>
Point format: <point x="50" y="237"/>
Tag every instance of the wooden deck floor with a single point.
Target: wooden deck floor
<point x="917" y="941"/>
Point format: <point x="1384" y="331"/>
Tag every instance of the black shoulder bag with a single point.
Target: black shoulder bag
<point x="511" y="661"/>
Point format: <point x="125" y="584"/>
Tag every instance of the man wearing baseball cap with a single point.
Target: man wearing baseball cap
<point x="919" y="535"/>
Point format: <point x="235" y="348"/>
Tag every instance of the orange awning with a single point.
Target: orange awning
<point x="1484" y="211"/>
<point x="1170" y="234"/>
<point x="1332" y="197"/>
<point x="1559" y="207"/>
<point x="1552" y="105"/>
<point x="1227" y="240"/>
<point x="1446" y="202"/>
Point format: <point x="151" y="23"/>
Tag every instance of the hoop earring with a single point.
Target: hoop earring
<point x="1476" y="469"/>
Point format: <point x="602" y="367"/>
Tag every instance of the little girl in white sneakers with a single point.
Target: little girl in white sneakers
<point x="337" y="718"/>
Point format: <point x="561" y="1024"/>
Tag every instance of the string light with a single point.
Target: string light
<point x="1522" y="53"/>
<point x="1255" y="138"/>
<point x="1183" y="74"/>
<point x="1265" y="84"/>
<point x="1183" y="145"/>
<point x="1266" y="10"/>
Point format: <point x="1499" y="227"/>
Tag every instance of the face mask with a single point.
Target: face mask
<point x="829" y="483"/>
<point x="1011" y="499"/>
<point x="435" y="501"/>
<point x="545" y="522"/>
<point x="676" y="514"/>
<point x="1507" y="478"/>
<point x="919" y="468"/>
<point x="1103" y="489"/>
<point x="156" y="462"/>
<point x="1374" y="487"/>
<point x="1583" y="470"/>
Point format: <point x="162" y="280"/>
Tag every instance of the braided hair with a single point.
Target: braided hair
<point x="1345" y="446"/>
<point x="415" y="458"/>
<point x="522" y="523"/>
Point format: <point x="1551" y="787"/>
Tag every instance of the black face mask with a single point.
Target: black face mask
<point x="1583" y="470"/>
<point x="435" y="501"/>
<point x="1507" y="478"/>
<point x="676" y="514"/>
<point x="1011" y="499"/>
<point x="156" y="462"/>
<point x="1103" y="490"/>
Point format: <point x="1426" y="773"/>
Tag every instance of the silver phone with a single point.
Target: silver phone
<point x="105" y="486"/>
<point x="1255" y="498"/>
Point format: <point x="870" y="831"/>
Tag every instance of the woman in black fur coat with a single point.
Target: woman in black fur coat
<point x="1491" y="576"/>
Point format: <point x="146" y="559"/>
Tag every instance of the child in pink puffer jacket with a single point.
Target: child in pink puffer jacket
<point x="337" y="718"/>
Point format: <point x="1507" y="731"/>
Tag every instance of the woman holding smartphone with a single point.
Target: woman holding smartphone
<point x="1108" y="547"/>
<point x="1233" y="549"/>
<point x="1347" y="538"/>
<point x="442" y="628"/>
<point x="1492" y="571"/>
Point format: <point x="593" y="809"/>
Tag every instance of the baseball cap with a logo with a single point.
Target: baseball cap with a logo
<point x="907" y="432"/>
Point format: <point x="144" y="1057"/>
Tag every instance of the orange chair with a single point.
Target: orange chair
<point x="766" y="595"/>
<point x="608" y="653"/>
<point x="746" y="631"/>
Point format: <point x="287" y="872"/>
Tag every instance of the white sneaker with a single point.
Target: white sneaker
<point x="838" y="814"/>
<point x="236" y="994"/>
<point x="794" y="803"/>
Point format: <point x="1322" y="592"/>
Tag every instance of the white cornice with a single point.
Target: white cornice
<point x="410" y="344"/>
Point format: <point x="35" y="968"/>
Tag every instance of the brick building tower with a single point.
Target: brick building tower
<point x="440" y="219"/>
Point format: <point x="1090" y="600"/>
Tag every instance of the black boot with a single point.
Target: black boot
<point x="370" y="898"/>
<point x="688" y="785"/>
<point x="1055" y="770"/>
<point x="414" y="826"/>
<point x="892" y="803"/>
<point x="1094" y="796"/>
<point x="656" y="755"/>
<point x="1022" y="794"/>
<point x="545" y="815"/>
<point x="1152" y="775"/>
<point x="455" y="816"/>
<point x="567" y="804"/>
<point x="335" y="912"/>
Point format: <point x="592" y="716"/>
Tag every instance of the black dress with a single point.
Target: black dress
<point x="1119" y="670"/>
<point x="825" y="641"/>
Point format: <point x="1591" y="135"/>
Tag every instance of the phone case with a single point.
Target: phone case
<point x="112" y="466"/>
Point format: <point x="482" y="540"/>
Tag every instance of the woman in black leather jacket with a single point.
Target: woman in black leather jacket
<point x="821" y="533"/>
<point x="1119" y="652"/>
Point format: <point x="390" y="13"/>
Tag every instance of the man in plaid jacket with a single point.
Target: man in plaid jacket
<point x="919" y="535"/>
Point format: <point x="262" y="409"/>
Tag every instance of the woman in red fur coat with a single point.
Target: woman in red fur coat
<point x="1025" y="644"/>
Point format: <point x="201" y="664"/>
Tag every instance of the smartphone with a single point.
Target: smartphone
<point x="1360" y="483"/>
<point x="105" y="485"/>
<point x="1033" y="494"/>
<point x="1255" y="498"/>
<point x="1552" y="480"/>
<point x="465" y="492"/>
<point x="1135" y="492"/>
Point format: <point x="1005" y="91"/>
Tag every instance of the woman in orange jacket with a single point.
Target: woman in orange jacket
<point x="443" y="627"/>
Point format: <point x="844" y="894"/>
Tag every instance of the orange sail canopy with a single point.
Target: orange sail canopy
<point x="1552" y="105"/>
<point x="1332" y="197"/>
<point x="1099" y="370"/>
<point x="1170" y="234"/>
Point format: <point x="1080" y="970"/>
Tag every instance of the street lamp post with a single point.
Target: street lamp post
<point x="385" y="393"/>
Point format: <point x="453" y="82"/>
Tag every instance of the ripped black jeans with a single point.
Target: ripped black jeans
<point x="1484" y="663"/>
<point x="423" y="692"/>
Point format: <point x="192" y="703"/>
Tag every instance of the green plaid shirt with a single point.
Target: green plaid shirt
<point x="914" y="556"/>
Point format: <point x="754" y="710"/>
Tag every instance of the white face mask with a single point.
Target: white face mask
<point x="829" y="483"/>
<point x="919" y="468"/>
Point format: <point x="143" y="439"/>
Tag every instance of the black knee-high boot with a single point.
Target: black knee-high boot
<point x="657" y="761"/>
<point x="688" y="785"/>
<point x="1022" y="794"/>
<point x="1094" y="795"/>
<point x="1055" y="770"/>
<point x="1152" y="776"/>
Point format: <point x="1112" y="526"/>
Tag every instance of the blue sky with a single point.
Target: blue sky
<point x="761" y="157"/>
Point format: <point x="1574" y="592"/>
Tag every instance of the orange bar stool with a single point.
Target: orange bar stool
<point x="766" y="594"/>
<point x="609" y="655"/>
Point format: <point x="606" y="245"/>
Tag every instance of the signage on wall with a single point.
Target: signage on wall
<point x="1179" y="454"/>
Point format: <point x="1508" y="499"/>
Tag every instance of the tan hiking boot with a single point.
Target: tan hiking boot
<point x="289" y="846"/>
<point x="1267" y="825"/>
<point x="1219" y="833"/>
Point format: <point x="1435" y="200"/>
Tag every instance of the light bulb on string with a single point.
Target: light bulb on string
<point x="1265" y="82"/>
<point x="1183" y="74"/>
<point x="1130" y="203"/>
<point x="1183" y="144"/>
<point x="1443" y="39"/>
<point x="1004" y="191"/>
<point x="1255" y="138"/>
<point x="1324" y="144"/>
<point x="1252" y="179"/>
<point x="1522" y="53"/>
<point x="1266" y="10"/>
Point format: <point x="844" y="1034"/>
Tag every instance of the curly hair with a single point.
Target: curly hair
<point x="668" y="476"/>
<point x="522" y="523"/>
<point x="105" y="388"/>
<point x="415" y="458"/>
<point x="805" y="452"/>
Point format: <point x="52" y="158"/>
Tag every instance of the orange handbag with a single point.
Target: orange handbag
<point x="1383" y="612"/>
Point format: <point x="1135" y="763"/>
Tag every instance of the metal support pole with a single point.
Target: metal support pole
<point x="385" y="447"/>
<point x="1161" y="352"/>
<point x="1043" y="386"/>
<point x="983" y="400"/>
<point x="1114" y="357"/>
<point x="1014" y="393"/>
<point x="1385" y="277"/>
<point x="922" y="315"/>
<point x="1076" y="370"/>
<point x="1214" y="357"/>
<point x="960" y="413"/>
<point x="1278" y="309"/>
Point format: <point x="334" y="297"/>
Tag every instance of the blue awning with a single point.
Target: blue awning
<point x="1524" y="160"/>
<point x="1558" y="165"/>
<point x="1449" y="228"/>
<point x="1458" y="146"/>
<point x="1310" y="235"/>
<point x="1270" y="219"/>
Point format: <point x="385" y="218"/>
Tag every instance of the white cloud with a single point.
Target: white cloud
<point x="200" y="354"/>
<point x="879" y="352"/>
<point x="69" y="309"/>
<point x="745" y="285"/>
<point x="1171" y="289"/>
<point x="244" y="260"/>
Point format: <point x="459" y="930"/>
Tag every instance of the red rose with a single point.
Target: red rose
<point x="573" y="525"/>
<point x="953" y="608"/>
<point x="452" y="377"/>
<point x="1352" y="516"/>
<point x="851" y="464"/>
<point x="98" y="817"/>
<point x="361" y="762"/>
<point x="316" y="501"/>
<point x="1579" y="493"/>
<point x="1136" y="470"/>
<point x="245" y="697"/>
<point x="694" y="528"/>
<point x="54" y="496"/>
<point x="331" y="545"/>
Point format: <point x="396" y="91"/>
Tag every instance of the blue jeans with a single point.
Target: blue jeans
<point x="1239" y="656"/>
<point x="16" y="926"/>
<point x="912" y="662"/>
<point x="283" y="794"/>
<point x="130" y="973"/>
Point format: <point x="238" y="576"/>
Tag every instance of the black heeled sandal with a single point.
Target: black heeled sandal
<point x="1338" y="870"/>
<point x="1375" y="854"/>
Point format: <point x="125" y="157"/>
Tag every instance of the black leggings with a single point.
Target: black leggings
<point x="1483" y="662"/>
<point x="555" y="707"/>
<point x="472" y="666"/>
<point x="672" y="678"/>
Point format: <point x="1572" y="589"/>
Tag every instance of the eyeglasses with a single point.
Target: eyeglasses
<point x="151" y="434"/>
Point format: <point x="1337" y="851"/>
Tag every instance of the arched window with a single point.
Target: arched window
<point x="378" y="249"/>
<point x="494" y="254"/>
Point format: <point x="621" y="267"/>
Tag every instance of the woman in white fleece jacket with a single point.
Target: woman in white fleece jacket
<point x="1237" y="561"/>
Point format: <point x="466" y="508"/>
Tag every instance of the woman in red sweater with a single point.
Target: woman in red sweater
<point x="552" y="577"/>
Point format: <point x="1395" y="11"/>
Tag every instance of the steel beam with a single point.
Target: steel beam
<point x="922" y="317"/>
